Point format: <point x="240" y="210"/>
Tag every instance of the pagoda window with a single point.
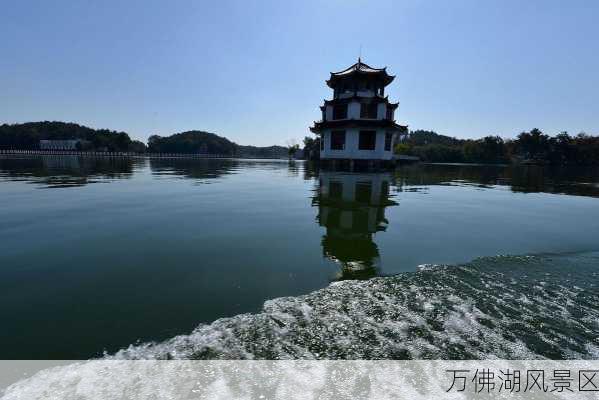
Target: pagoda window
<point x="388" y="141"/>
<point x="340" y="111"/>
<point x="337" y="140"/>
<point x="367" y="140"/>
<point x="368" y="110"/>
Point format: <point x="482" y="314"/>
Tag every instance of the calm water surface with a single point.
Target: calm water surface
<point x="98" y="254"/>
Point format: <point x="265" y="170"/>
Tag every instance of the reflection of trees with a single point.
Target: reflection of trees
<point x="311" y="170"/>
<point x="352" y="208"/>
<point x="580" y="181"/>
<point x="293" y="167"/>
<point x="194" y="168"/>
<point x="67" y="171"/>
<point x="210" y="168"/>
<point x="423" y="175"/>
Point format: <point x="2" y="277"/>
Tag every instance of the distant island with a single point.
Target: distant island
<point x="533" y="146"/>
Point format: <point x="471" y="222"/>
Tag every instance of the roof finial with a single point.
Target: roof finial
<point x="360" y="55"/>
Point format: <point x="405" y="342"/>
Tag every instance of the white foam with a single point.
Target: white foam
<point x="440" y="312"/>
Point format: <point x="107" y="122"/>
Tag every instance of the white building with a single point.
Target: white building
<point x="68" y="144"/>
<point x="359" y="122"/>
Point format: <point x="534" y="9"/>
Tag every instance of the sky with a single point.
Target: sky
<point x="254" y="71"/>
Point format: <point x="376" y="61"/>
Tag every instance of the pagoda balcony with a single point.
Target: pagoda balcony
<point x="358" y="93"/>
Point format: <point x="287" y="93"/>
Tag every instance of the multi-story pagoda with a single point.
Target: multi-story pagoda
<point x="359" y="122"/>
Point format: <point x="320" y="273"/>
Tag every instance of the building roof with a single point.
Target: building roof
<point x="363" y="69"/>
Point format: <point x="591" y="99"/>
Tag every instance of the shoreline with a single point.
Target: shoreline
<point x="109" y="154"/>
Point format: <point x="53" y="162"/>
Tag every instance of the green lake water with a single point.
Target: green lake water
<point x="100" y="254"/>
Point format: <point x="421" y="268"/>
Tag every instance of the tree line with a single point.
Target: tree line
<point x="27" y="136"/>
<point x="533" y="146"/>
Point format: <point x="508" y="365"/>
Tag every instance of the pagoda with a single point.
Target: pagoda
<point x="351" y="206"/>
<point x="358" y="124"/>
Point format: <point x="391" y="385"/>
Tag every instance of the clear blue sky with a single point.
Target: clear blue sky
<point x="254" y="71"/>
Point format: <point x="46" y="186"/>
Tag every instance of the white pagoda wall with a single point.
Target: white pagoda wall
<point x="351" y="151"/>
<point x="353" y="111"/>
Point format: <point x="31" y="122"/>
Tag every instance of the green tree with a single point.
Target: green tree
<point x="402" y="148"/>
<point x="490" y="149"/>
<point x="292" y="149"/>
<point x="311" y="148"/>
<point x="533" y="144"/>
<point x="28" y="135"/>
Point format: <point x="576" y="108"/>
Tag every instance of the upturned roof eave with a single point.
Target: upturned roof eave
<point x="358" y="66"/>
<point x="351" y="123"/>
<point x="333" y="79"/>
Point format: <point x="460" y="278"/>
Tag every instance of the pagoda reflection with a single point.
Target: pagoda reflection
<point x="351" y="207"/>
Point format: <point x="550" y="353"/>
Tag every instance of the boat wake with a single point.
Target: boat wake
<point x="506" y="307"/>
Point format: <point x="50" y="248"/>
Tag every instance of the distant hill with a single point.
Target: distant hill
<point x="194" y="142"/>
<point x="27" y="136"/>
<point x="262" y="152"/>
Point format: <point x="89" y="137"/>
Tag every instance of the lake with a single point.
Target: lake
<point x="103" y="254"/>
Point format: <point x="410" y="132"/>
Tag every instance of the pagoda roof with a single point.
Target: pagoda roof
<point x="356" y="123"/>
<point x="360" y="99"/>
<point x="362" y="69"/>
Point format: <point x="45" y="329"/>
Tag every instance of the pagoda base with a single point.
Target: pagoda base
<point x="351" y="165"/>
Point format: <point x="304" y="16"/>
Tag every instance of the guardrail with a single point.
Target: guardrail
<point x="110" y="154"/>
